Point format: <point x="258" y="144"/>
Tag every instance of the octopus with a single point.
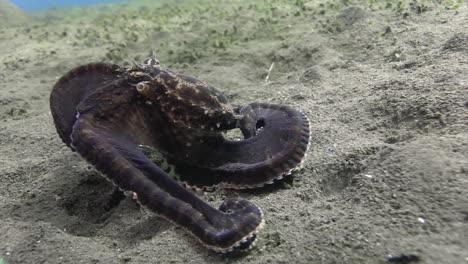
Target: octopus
<point x="107" y="113"/>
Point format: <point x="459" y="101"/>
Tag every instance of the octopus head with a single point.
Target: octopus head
<point x="189" y="102"/>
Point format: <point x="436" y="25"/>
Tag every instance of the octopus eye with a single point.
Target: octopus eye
<point x="151" y="62"/>
<point x="141" y="86"/>
<point x="144" y="89"/>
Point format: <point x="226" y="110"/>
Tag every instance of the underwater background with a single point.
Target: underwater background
<point x="384" y="84"/>
<point x="34" y="5"/>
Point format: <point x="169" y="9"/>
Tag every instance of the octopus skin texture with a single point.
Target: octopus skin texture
<point x="107" y="112"/>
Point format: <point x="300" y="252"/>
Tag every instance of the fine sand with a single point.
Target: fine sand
<point x="385" y="87"/>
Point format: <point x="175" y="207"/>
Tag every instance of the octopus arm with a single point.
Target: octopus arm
<point x="275" y="144"/>
<point x="73" y="88"/>
<point x="116" y="154"/>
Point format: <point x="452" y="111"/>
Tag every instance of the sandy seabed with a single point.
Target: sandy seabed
<point x="386" y="175"/>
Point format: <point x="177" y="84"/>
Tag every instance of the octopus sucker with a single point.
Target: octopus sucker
<point x="106" y="112"/>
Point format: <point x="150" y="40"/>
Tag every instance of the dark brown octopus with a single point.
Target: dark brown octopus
<point x="106" y="112"/>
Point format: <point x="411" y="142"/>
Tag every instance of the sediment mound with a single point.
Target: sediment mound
<point x="10" y="14"/>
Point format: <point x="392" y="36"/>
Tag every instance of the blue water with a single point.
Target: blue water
<point x="34" y="5"/>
